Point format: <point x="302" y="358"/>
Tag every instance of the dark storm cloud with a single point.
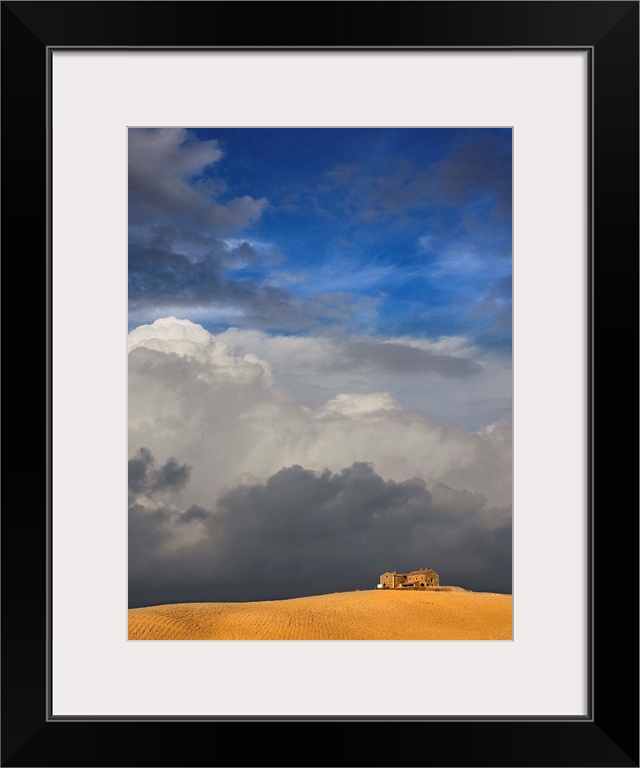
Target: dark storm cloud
<point x="193" y="514"/>
<point x="304" y="533"/>
<point x="149" y="478"/>
<point x="404" y="358"/>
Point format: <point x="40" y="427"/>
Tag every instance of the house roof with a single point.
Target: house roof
<point x="409" y="573"/>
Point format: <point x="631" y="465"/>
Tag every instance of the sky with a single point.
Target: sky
<point x="319" y="360"/>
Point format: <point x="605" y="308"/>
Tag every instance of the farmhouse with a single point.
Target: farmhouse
<point x="425" y="577"/>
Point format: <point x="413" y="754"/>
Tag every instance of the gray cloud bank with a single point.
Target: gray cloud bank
<point x="303" y="532"/>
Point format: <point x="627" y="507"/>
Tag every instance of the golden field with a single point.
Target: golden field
<point x="440" y="614"/>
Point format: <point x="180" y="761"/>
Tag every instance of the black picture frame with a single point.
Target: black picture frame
<point x="608" y="735"/>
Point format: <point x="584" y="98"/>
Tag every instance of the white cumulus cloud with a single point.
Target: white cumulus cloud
<point x="192" y="398"/>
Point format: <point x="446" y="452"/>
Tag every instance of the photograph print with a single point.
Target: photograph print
<point x="320" y="383"/>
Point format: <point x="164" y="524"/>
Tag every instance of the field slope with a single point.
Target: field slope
<point x="364" y="615"/>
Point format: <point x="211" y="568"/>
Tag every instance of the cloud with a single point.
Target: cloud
<point x="162" y="166"/>
<point x="181" y="248"/>
<point x="221" y="412"/>
<point x="160" y="279"/>
<point x="447" y="378"/>
<point x="197" y="279"/>
<point x="146" y="477"/>
<point x="237" y="492"/>
<point x="492" y="313"/>
<point x="479" y="166"/>
<point x="478" y="169"/>
<point x="405" y="358"/>
<point x="356" y="405"/>
<point x="303" y="532"/>
<point x="166" y="182"/>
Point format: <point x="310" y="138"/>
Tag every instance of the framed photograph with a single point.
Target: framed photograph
<point x="327" y="229"/>
<point x="319" y="383"/>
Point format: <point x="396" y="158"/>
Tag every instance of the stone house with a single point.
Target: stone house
<point x="420" y="579"/>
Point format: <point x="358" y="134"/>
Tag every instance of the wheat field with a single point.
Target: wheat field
<point x="441" y="614"/>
